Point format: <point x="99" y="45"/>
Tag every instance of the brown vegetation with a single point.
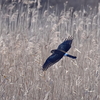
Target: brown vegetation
<point x="23" y="50"/>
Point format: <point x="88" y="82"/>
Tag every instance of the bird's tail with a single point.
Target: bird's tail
<point x="68" y="55"/>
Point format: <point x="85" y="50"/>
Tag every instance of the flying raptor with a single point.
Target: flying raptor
<point x="58" y="53"/>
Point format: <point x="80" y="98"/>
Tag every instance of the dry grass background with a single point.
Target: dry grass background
<point x="23" y="50"/>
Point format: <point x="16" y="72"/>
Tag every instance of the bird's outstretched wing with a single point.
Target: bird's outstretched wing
<point x="66" y="45"/>
<point x="58" y="53"/>
<point x="55" y="57"/>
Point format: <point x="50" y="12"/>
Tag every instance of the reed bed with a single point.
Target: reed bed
<point x="26" y="41"/>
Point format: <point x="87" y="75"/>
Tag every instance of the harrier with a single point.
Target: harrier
<point x="58" y="53"/>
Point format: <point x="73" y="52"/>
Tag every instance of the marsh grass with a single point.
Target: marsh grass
<point x="26" y="42"/>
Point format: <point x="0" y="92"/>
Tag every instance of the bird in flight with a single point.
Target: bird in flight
<point x="58" y="53"/>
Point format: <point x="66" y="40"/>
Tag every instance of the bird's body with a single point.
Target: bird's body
<point x="58" y="53"/>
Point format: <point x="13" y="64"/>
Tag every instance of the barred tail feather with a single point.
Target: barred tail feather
<point x="68" y="55"/>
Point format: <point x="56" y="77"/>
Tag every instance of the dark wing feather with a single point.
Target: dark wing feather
<point x="66" y="45"/>
<point x="55" y="57"/>
<point x="58" y="53"/>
